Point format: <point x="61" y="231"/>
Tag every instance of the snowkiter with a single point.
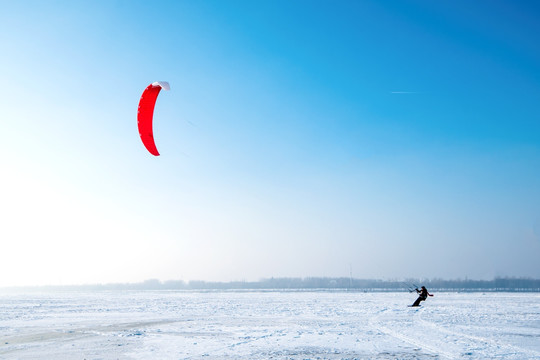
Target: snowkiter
<point x="423" y="294"/>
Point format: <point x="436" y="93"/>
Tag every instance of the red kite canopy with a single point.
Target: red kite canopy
<point x="145" y="114"/>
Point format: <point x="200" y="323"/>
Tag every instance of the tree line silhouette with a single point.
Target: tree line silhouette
<point x="509" y="284"/>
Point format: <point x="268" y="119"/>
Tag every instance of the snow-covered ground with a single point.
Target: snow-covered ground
<point x="268" y="325"/>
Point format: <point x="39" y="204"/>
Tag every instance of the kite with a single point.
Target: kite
<point x="145" y="114"/>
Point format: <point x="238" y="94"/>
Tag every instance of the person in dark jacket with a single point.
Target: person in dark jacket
<point x="422" y="295"/>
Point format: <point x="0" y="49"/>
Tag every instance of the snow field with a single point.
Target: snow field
<point x="268" y="325"/>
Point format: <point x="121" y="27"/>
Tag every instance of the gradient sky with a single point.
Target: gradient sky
<point x="300" y="138"/>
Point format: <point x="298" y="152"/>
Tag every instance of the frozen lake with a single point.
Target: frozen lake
<point x="268" y="325"/>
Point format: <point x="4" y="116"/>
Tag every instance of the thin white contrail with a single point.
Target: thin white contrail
<point x="404" y="92"/>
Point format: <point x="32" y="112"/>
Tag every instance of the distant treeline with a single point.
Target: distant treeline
<point x="318" y="283"/>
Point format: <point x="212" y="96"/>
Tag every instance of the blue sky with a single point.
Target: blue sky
<point x="300" y="138"/>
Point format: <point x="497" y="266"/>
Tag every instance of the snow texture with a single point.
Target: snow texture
<point x="268" y="325"/>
